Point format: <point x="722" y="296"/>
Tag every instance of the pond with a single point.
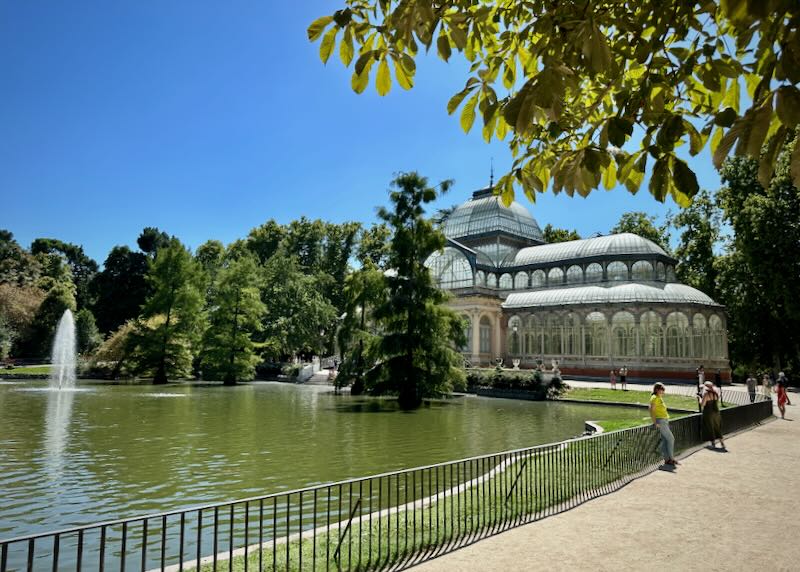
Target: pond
<point x="115" y="451"/>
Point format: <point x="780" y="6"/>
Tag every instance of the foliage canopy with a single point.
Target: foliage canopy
<point x="572" y="81"/>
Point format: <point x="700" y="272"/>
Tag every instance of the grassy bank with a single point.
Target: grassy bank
<point x="629" y="396"/>
<point x="24" y="370"/>
<point x="498" y="495"/>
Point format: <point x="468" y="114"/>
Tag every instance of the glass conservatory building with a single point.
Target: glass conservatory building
<point x="592" y="304"/>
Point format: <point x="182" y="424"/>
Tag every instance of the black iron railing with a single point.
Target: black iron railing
<point x="391" y="520"/>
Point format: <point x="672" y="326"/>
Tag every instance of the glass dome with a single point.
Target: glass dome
<point x="485" y="213"/>
<point x="605" y="246"/>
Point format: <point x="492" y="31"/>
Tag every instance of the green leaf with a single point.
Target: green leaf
<point x="726" y="144"/>
<point x="788" y="105"/>
<point x="716" y="138"/>
<point x="509" y="72"/>
<point x="670" y="132"/>
<point x="766" y="163"/>
<point x="733" y="96"/>
<point x="360" y="81"/>
<point x="317" y="26"/>
<point x="726" y="117"/>
<point x="459" y="37"/>
<point x="610" y="176"/>
<point x="443" y="46"/>
<point x="326" y="46"/>
<point x="502" y="128"/>
<point x="696" y="140"/>
<point x="468" y="113"/>
<point x="456" y="100"/>
<point x="404" y="80"/>
<point x="383" y="81"/>
<point x="619" y="128"/>
<point x="346" y="47"/>
<point x="659" y="180"/>
<point x="754" y="130"/>
<point x="685" y="183"/>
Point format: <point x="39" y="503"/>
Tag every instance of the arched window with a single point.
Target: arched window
<point x="617" y="271"/>
<point x="642" y="270"/>
<point x="623" y="333"/>
<point x="574" y="274"/>
<point x="700" y="336"/>
<point x="594" y="272"/>
<point x="485" y="342"/>
<point x="716" y="337"/>
<point x="521" y="280"/>
<point x="572" y="335"/>
<point x="491" y="280"/>
<point x="533" y="337"/>
<point x="450" y="269"/>
<point x="506" y="282"/>
<point x="661" y="273"/>
<point x="650" y="335"/>
<point x="480" y="278"/>
<point x="515" y="336"/>
<point x="553" y="334"/>
<point x="677" y="335"/>
<point x="671" y="274"/>
<point x="555" y="276"/>
<point x="537" y="279"/>
<point x="594" y="335"/>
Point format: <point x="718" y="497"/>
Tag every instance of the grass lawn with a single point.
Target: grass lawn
<point x="532" y="485"/>
<point x="616" y="424"/>
<point x="629" y="396"/>
<point x="28" y="370"/>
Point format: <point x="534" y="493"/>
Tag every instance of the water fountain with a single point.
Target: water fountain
<point x="62" y="374"/>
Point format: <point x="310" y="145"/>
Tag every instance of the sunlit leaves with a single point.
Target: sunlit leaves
<point x="570" y="85"/>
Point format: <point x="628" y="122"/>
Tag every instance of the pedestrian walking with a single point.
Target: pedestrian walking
<point x="751" y="386"/>
<point x="712" y="418"/>
<point x="612" y="379"/>
<point x="782" y="397"/>
<point x="660" y="417"/>
<point x="623" y="377"/>
<point x="766" y="387"/>
<point x="782" y="379"/>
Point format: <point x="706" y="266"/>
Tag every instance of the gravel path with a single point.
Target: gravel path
<point x="718" y="511"/>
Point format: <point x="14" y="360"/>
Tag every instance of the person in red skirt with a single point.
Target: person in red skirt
<point x="782" y="396"/>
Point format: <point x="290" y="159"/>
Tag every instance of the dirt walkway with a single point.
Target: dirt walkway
<point x="718" y="511"/>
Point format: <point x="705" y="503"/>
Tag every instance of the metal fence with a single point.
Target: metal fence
<point x="388" y="521"/>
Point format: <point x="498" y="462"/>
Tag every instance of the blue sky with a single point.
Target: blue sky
<point x="206" y="119"/>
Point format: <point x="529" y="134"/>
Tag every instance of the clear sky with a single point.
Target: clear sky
<point x="206" y="119"/>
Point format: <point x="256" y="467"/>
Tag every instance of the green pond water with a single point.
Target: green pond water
<point x="115" y="451"/>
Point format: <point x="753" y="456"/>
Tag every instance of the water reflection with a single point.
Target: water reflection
<point x="56" y="434"/>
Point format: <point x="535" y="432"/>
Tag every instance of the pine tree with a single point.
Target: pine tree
<point x="235" y="313"/>
<point x="415" y="355"/>
<point x="171" y="318"/>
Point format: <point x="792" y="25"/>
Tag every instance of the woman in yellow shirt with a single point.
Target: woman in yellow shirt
<point x="660" y="417"/>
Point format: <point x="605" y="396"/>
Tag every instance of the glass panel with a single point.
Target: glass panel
<point x="595" y="335"/>
<point x="555" y="277"/>
<point x="491" y="280"/>
<point x="515" y="336"/>
<point x="617" y="271"/>
<point x="660" y="272"/>
<point x="521" y="280"/>
<point x="450" y="269"/>
<point x="642" y="270"/>
<point x="467" y="322"/>
<point x="480" y="278"/>
<point x="594" y="272"/>
<point x="671" y="274"/>
<point x="537" y="279"/>
<point x="650" y="335"/>
<point x="574" y="274"/>
<point x="572" y="335"/>
<point x="623" y="332"/>
<point x="505" y="282"/>
<point x="677" y="335"/>
<point x="716" y="337"/>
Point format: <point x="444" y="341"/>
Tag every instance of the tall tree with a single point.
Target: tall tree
<point x="83" y="268"/>
<point x="151" y="239"/>
<point x="415" y="354"/>
<point x="174" y="310"/>
<point x="17" y="265"/>
<point x="59" y="297"/>
<point x="304" y="239"/>
<point x="571" y="80"/>
<point x="87" y="336"/>
<point x="235" y="315"/>
<point x="263" y="241"/>
<point x="642" y="224"/>
<point x="553" y="234"/>
<point x="699" y="225"/>
<point x="120" y="289"/>
<point x="766" y="225"/>
<point x="373" y="245"/>
<point x="299" y="317"/>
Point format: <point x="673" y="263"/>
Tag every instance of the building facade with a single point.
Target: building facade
<point x="594" y="305"/>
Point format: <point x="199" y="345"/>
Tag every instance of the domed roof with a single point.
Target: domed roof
<point x="485" y="213"/>
<point x="629" y="293"/>
<point x="613" y="244"/>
